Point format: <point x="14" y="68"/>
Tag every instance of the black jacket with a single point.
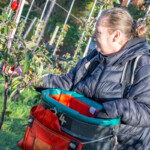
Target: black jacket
<point x="99" y="78"/>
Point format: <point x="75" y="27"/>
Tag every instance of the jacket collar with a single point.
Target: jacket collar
<point x="134" y="47"/>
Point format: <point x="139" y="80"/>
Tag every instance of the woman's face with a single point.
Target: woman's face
<point x="105" y="42"/>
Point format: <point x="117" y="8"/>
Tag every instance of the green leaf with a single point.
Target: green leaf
<point x="44" y="56"/>
<point x="19" y="38"/>
<point x="45" y="73"/>
<point x="1" y="18"/>
<point x="10" y="17"/>
<point x="28" y="76"/>
<point x="13" y="93"/>
<point x="26" y="63"/>
<point x="6" y="30"/>
<point x="16" y="45"/>
<point x="17" y="79"/>
<point x="8" y="112"/>
<point x="15" y="84"/>
<point x="11" y="60"/>
<point x="5" y="16"/>
<point x="116" y="1"/>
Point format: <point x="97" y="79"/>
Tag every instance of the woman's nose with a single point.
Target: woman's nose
<point x="94" y="35"/>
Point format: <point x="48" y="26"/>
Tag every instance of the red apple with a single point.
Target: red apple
<point x="14" y="5"/>
<point x="12" y="68"/>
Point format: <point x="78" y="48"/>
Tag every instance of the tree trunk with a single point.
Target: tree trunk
<point x="5" y="101"/>
<point x="10" y="37"/>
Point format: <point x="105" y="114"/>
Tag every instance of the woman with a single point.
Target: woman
<point x="98" y="76"/>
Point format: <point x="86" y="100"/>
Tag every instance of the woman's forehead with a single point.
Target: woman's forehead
<point x="102" y="22"/>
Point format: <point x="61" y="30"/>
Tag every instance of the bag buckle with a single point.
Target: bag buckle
<point x="30" y="120"/>
<point x="73" y="145"/>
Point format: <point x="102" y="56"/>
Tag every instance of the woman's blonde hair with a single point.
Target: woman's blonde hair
<point x="120" y="19"/>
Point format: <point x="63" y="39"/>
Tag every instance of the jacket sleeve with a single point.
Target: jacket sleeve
<point x="135" y="109"/>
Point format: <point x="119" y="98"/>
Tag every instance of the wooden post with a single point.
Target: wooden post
<point x="41" y="17"/>
<point x="148" y="10"/>
<point x="54" y="35"/>
<point x="29" y="28"/>
<point x="16" y="20"/>
<point x="70" y="13"/>
<point x="29" y="10"/>
<point x="66" y="20"/>
<point x="90" y="39"/>
<point x="81" y="39"/>
<point x="52" y="4"/>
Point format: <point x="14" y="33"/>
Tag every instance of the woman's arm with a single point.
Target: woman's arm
<point x="65" y="82"/>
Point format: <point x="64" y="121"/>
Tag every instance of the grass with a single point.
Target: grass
<point x="16" y="118"/>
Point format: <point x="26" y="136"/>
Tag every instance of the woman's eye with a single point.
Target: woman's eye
<point x="99" y="33"/>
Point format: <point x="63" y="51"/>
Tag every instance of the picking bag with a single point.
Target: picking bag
<point x="76" y="116"/>
<point x="44" y="133"/>
<point x="64" y="120"/>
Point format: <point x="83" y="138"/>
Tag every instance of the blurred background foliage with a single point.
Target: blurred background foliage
<point x="81" y="10"/>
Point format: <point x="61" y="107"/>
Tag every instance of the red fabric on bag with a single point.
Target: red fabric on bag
<point x="20" y="144"/>
<point x="46" y="117"/>
<point x="74" y="103"/>
<point x="62" y="98"/>
<point x="45" y="133"/>
<point x="38" y="112"/>
<point x="50" y="120"/>
<point x="81" y="107"/>
<point x="54" y="139"/>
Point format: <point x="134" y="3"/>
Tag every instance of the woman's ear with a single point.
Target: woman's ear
<point x="117" y="36"/>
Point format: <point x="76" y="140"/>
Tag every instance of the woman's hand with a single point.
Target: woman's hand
<point x="13" y="71"/>
<point x="101" y="114"/>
